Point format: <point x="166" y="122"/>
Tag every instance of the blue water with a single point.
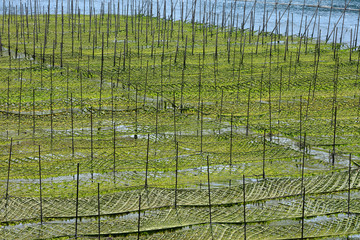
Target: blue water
<point x="345" y="21"/>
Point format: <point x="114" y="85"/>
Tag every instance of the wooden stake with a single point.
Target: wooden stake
<point x="174" y="107"/>
<point x="20" y="92"/>
<point x="51" y="121"/>
<point x="8" y="180"/>
<point x="331" y="8"/>
<point x="209" y="194"/>
<point x="349" y="187"/>
<point x="201" y="128"/>
<point x="334" y="139"/>
<point x="303" y="163"/>
<point x="102" y="70"/>
<point x="244" y="204"/>
<point x="300" y="122"/>
<point x="147" y="161"/>
<point x="231" y="141"/>
<point x="176" y="173"/>
<point x="72" y="127"/>
<point x="303" y="213"/>
<point x="139" y="217"/>
<point x="41" y="205"/>
<point x="99" y="214"/>
<point x="33" y="115"/>
<point x="264" y="152"/>
<point x="77" y="201"/>
<point x="248" y="113"/>
<point x="157" y="116"/>
<point x="91" y="142"/>
<point x="114" y="147"/>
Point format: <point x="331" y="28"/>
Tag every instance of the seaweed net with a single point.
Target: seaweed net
<point x="266" y="201"/>
<point x="178" y="119"/>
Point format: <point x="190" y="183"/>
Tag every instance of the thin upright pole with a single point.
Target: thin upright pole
<point x="41" y="209"/>
<point x="303" y="214"/>
<point x="139" y="217"/>
<point x="209" y="194"/>
<point x="176" y="172"/>
<point x="147" y="161"/>
<point x="8" y="180"/>
<point x="349" y="186"/>
<point x="244" y="204"/>
<point x="99" y="214"/>
<point x="77" y="201"/>
<point x="334" y="138"/>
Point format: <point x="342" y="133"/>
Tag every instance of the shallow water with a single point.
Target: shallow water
<point x="274" y="10"/>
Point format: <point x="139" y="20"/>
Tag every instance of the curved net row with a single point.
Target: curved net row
<point x="279" y="219"/>
<point x="23" y="209"/>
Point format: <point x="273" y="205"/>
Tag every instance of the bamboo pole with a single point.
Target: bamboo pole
<point x="40" y="185"/>
<point x="77" y="201"/>
<point x="209" y="196"/>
